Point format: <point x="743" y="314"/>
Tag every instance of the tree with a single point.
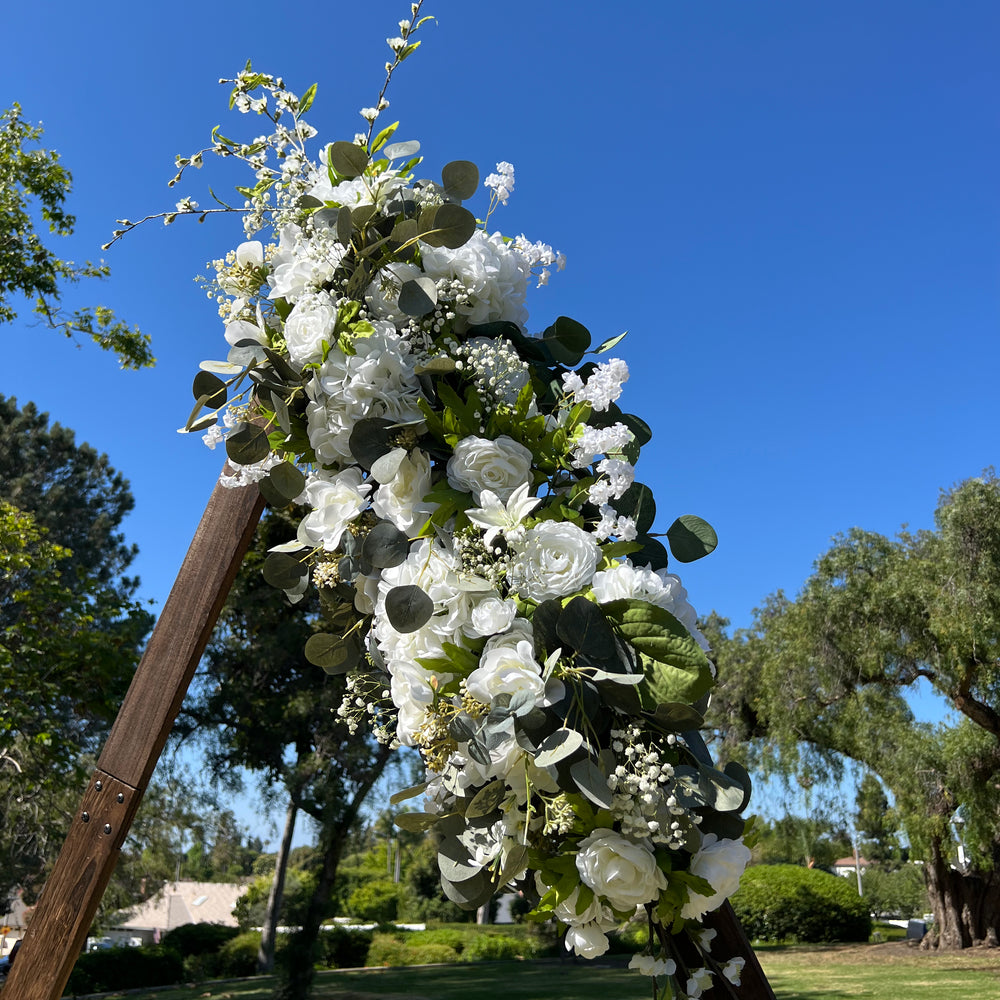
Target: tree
<point x="265" y="707"/>
<point x="70" y="630"/>
<point x="33" y="180"/>
<point x="825" y="677"/>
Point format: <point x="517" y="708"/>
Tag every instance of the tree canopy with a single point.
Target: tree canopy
<point x="826" y="677"/>
<point x="33" y="182"/>
<point x="70" y="629"/>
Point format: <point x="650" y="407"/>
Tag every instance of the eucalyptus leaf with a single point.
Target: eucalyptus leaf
<point x="415" y="822"/>
<point x="404" y="231"/>
<point x="345" y="225"/>
<point x="652" y="554"/>
<point x="735" y="770"/>
<point x="281" y="367"/>
<point x="675" y="717"/>
<point x="248" y="445"/>
<point x="460" y="730"/>
<point x="521" y="702"/>
<point x="594" y="785"/>
<point x="407" y="793"/>
<point x="707" y="786"/>
<point x="418" y="296"/>
<point x="408" y="608"/>
<point x="385" y="546"/>
<point x="287" y="481"/>
<point x="611" y="342"/>
<point x="348" y="159"/>
<point x="471" y="893"/>
<point x="335" y="654"/>
<point x="543" y="624"/>
<point x="207" y="384"/>
<point x="401" y="150"/>
<point x="369" y="440"/>
<point x="637" y="502"/>
<point x="202" y="423"/>
<point x="582" y="626"/>
<point x="452" y="226"/>
<point x="283" y="571"/>
<point x="460" y="179"/>
<point x="691" y="538"/>
<point x="567" y="340"/>
<point x="515" y="860"/>
<point x="479" y="753"/>
<point x="560" y="745"/>
<point x="487" y="799"/>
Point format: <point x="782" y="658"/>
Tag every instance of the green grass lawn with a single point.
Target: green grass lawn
<point x="889" y="971"/>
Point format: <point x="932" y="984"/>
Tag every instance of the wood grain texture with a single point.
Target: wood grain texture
<point x="73" y="891"/>
<point x="64" y="913"/>
<point x="732" y="942"/>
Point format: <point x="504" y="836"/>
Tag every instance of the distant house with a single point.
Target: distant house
<point x="179" y="903"/>
<point x="13" y="923"/>
<point x="846" y="866"/>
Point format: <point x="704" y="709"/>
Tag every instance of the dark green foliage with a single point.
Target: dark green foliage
<point x="33" y="180"/>
<point x="375" y="900"/>
<point x="895" y="893"/>
<point x="197" y="939"/>
<point x="345" y="948"/>
<point x="789" y="903"/>
<point x="125" y="969"/>
<point x="238" y="956"/>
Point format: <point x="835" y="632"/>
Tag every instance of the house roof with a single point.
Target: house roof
<point x="849" y="863"/>
<point x="180" y="903"/>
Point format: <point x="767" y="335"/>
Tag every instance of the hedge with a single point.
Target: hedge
<point x="790" y="903"/>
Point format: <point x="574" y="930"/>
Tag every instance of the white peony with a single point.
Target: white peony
<point x="336" y="502"/>
<point x="721" y="863"/>
<point x="555" y="559"/>
<point x="622" y="871"/>
<point x="479" y="465"/>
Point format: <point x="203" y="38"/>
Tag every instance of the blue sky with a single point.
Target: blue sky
<point x="792" y="207"/>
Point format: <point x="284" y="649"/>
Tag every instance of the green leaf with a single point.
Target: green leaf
<point x="418" y="296"/>
<point x="401" y="150"/>
<point x="283" y="571"/>
<point x="348" y="159"/>
<point x="675" y="717"/>
<point x="407" y="793"/>
<point x="248" y="445"/>
<point x="583" y="626"/>
<point x="345" y="225"/>
<point x="650" y="553"/>
<point x="283" y="484"/>
<point x="675" y="666"/>
<point x="451" y="227"/>
<point x="408" y="608"/>
<point x="369" y="440"/>
<point x="306" y="100"/>
<point x="543" y="624"/>
<point x="567" y="340"/>
<point x="691" y="538"/>
<point x="385" y="546"/>
<point x="558" y="746"/>
<point x="415" y="822"/>
<point x="384" y="136"/>
<point x="281" y="367"/>
<point x="588" y="778"/>
<point x="637" y="502"/>
<point x="487" y="799"/>
<point x="706" y="786"/>
<point x="607" y="345"/>
<point x="335" y="654"/>
<point x="460" y="179"/>
<point x="207" y="384"/>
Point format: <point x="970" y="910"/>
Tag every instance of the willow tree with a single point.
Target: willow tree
<point x="826" y="677"/>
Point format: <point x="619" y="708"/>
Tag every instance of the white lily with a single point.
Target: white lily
<point x="496" y="518"/>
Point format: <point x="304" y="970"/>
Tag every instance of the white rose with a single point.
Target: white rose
<point x="506" y="670"/>
<point x="587" y="940"/>
<point x="620" y="870"/>
<point x="335" y="502"/>
<point x="556" y="559"/>
<point x="492" y="615"/>
<point x="500" y="466"/>
<point x="520" y="630"/>
<point x="412" y="695"/>
<point x="310" y="322"/>
<point x="399" y="500"/>
<point x="566" y="910"/>
<point x="721" y="863"/>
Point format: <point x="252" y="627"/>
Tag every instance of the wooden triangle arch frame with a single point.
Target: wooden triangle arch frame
<point x="74" y="889"/>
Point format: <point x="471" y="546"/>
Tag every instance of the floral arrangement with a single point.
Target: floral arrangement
<point x="484" y="554"/>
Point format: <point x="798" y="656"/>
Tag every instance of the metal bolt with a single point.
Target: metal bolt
<point x="107" y="828"/>
<point x="121" y="797"/>
<point x="98" y="785"/>
<point x="85" y="817"/>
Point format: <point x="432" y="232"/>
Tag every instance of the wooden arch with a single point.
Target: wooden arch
<point x="73" y="891"/>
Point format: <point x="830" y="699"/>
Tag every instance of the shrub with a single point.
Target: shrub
<point x="451" y="937"/>
<point x="900" y="893"/>
<point x="485" y="947"/>
<point x="125" y="969"/>
<point x="388" y="949"/>
<point x="344" y="948"/>
<point x="375" y="900"/>
<point x="789" y="903"/>
<point x="238" y="956"/>
<point x="198" y="939"/>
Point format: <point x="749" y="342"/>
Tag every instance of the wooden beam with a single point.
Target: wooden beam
<point x="73" y="891"/>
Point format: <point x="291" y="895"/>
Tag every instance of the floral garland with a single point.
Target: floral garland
<point x="483" y="552"/>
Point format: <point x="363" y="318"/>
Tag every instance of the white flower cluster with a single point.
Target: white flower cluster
<point x="476" y="528"/>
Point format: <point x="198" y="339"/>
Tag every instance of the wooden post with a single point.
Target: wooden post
<point x="73" y="891"/>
